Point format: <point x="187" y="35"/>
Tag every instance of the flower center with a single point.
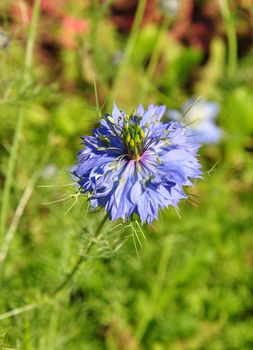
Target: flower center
<point x="133" y="136"/>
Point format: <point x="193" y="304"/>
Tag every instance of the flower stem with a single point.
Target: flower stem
<point x="82" y="258"/>
<point x="231" y="36"/>
<point x="156" y="291"/>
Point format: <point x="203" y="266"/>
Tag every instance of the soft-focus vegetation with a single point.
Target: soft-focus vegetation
<point x="189" y="284"/>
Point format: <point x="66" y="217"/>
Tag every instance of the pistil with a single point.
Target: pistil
<point x="133" y="136"/>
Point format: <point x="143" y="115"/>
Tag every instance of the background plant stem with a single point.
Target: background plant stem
<point x="231" y="36"/>
<point x="128" y="51"/>
<point x="154" y="59"/>
<point x="20" y="120"/>
<point x="82" y="258"/>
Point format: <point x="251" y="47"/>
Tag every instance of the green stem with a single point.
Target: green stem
<point x="156" y="53"/>
<point x="81" y="259"/>
<point x="12" y="229"/>
<point x="100" y="10"/>
<point x="129" y="49"/>
<point x="78" y="263"/>
<point x="155" y="292"/>
<point x="231" y="36"/>
<point x="32" y="35"/>
<point x="20" y="121"/>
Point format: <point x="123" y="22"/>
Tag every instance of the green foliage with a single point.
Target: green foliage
<point x="182" y="283"/>
<point x="145" y="44"/>
<point x="180" y="63"/>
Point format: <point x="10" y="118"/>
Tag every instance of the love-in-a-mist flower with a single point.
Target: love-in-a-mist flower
<point x="136" y="164"/>
<point x="200" y="117"/>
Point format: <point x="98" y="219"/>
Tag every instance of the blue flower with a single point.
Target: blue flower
<point x="136" y="164"/>
<point x="200" y="119"/>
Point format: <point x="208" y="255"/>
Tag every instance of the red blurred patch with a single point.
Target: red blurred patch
<point x="71" y="29"/>
<point x="52" y="16"/>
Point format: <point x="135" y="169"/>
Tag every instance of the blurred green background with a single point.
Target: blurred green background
<point x="190" y="284"/>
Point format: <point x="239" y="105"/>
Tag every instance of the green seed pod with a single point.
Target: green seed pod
<point x="131" y="143"/>
<point x="142" y="134"/>
<point x="137" y="139"/>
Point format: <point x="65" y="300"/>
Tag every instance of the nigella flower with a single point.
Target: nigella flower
<point x="200" y="117"/>
<point x="136" y="164"/>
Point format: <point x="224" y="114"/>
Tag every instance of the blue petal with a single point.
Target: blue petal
<point x="140" y="110"/>
<point x="175" y="115"/>
<point x="136" y="192"/>
<point x="116" y="114"/>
